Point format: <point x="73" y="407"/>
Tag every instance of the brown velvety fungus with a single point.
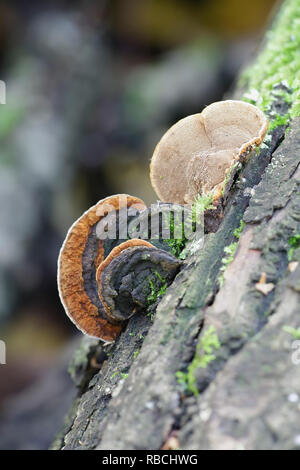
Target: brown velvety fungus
<point x="81" y="254"/>
<point x="103" y="281"/>
<point x="195" y="154"/>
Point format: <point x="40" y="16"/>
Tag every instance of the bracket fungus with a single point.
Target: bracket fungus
<point x="81" y="253"/>
<point x="102" y="280"/>
<point x="196" y="154"/>
<point x="124" y="277"/>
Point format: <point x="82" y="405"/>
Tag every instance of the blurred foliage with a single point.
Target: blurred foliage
<point x="173" y="22"/>
<point x="9" y="118"/>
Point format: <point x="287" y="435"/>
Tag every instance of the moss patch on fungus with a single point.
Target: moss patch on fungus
<point x="203" y="356"/>
<point x="158" y="288"/>
<point x="276" y="70"/>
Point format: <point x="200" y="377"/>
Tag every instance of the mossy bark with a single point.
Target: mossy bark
<point x="248" y="392"/>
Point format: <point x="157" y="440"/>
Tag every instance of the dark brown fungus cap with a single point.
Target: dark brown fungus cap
<point x="195" y="155"/>
<point x="79" y="257"/>
<point x="124" y="277"/>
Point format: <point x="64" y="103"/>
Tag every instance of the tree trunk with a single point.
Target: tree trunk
<point x="216" y="367"/>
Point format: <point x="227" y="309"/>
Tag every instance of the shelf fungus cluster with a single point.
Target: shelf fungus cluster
<point x="109" y="259"/>
<point x="102" y="280"/>
<point x="196" y="155"/>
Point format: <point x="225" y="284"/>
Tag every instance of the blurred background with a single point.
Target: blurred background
<point x="91" y="87"/>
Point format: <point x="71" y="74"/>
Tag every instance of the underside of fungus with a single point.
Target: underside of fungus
<point x="195" y="155"/>
<point x="104" y="281"/>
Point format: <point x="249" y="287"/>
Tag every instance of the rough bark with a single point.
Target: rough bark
<point x="247" y="395"/>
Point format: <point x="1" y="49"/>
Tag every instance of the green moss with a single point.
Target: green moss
<point x="156" y="290"/>
<point x="123" y="375"/>
<point x="227" y="260"/>
<point x="201" y="204"/>
<point x="136" y="353"/>
<point x="237" y="232"/>
<point x="276" y="71"/>
<point x="176" y="244"/>
<point x="279" y="120"/>
<point x="294" y="243"/>
<point x="203" y="356"/>
<point x="295" y="332"/>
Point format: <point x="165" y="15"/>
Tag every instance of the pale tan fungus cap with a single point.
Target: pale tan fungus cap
<point x="195" y="154"/>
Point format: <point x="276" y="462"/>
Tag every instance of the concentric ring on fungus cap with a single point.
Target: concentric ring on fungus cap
<point x="124" y="277"/>
<point x="195" y="154"/>
<point x="78" y="260"/>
